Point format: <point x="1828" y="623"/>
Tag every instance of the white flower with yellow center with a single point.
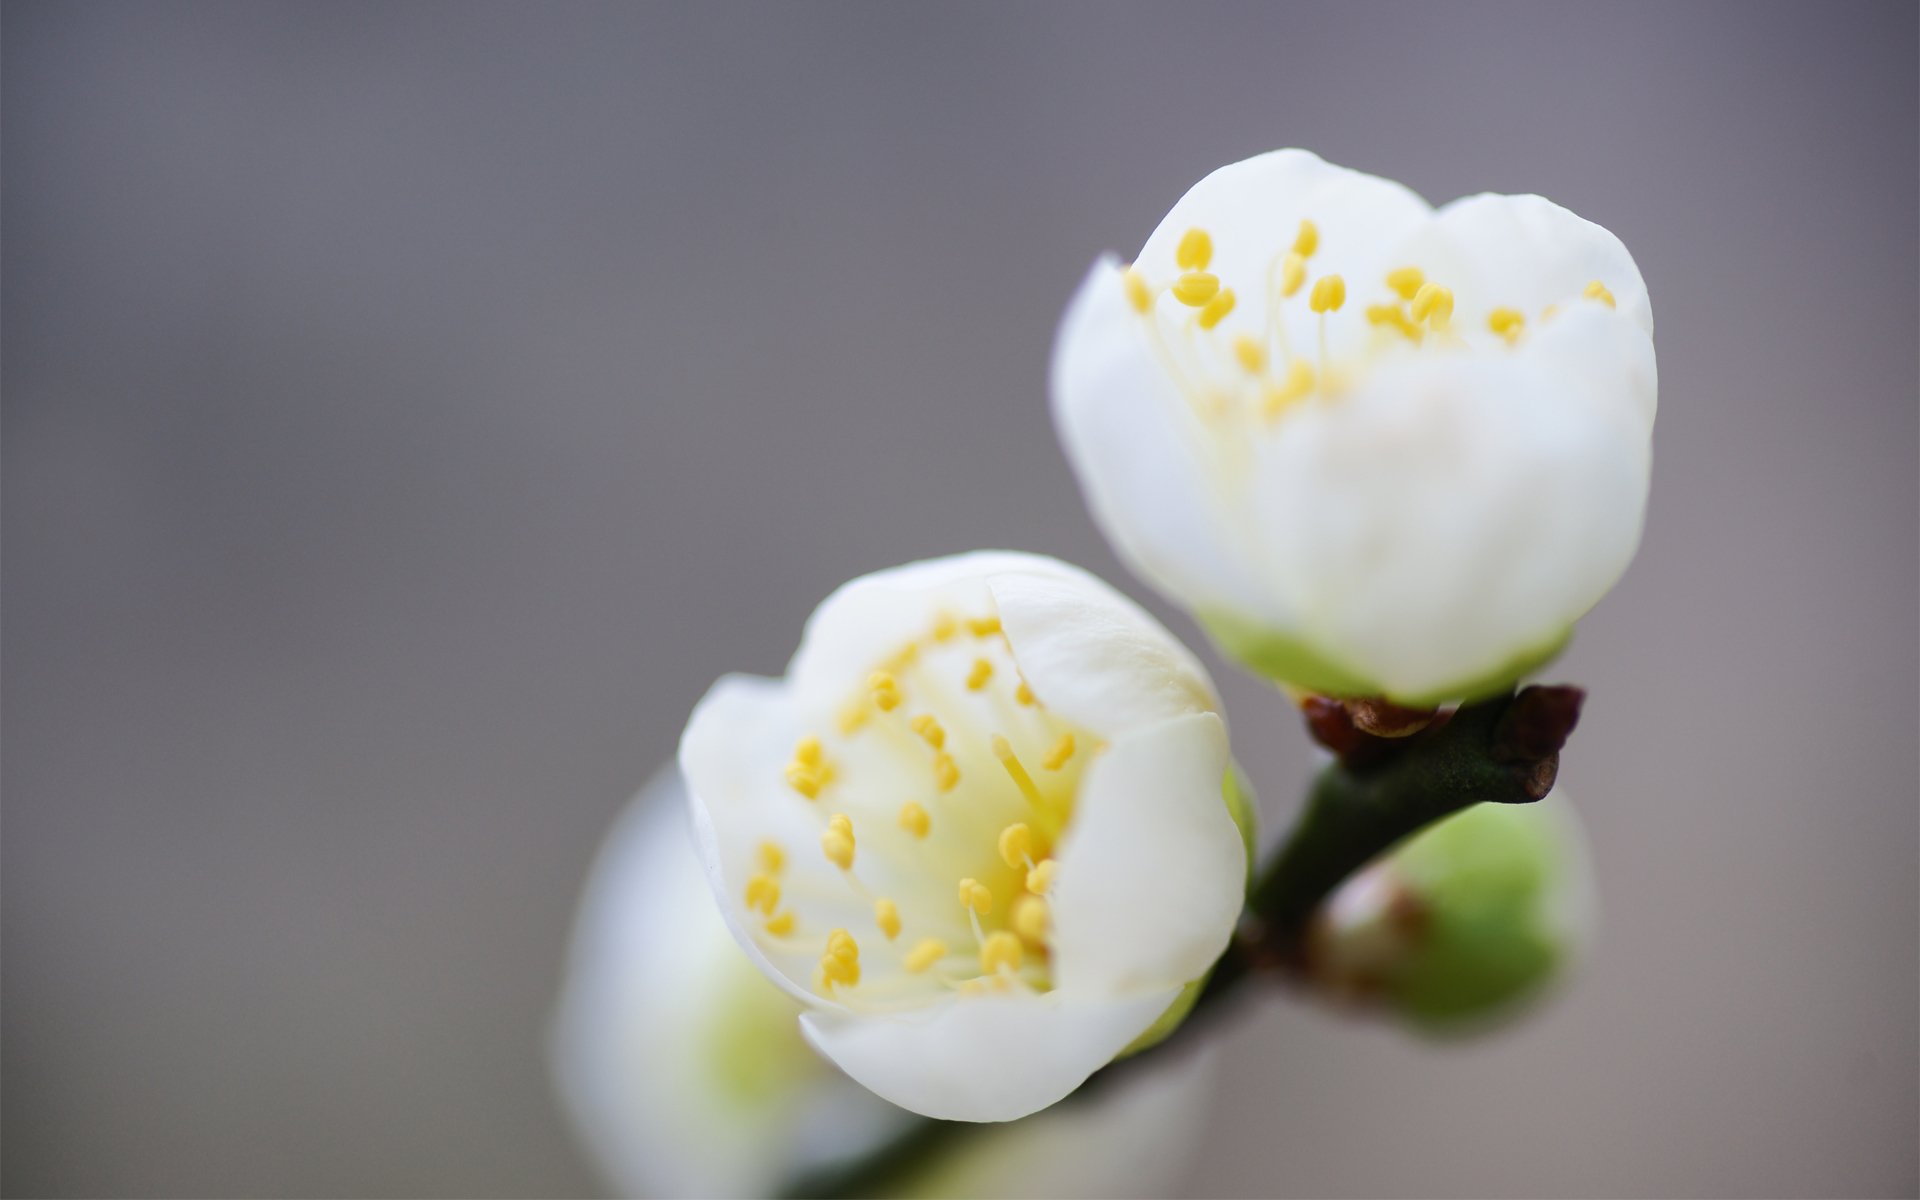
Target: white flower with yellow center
<point x="1376" y="448"/>
<point x="982" y="829"/>
<point x="685" y="1074"/>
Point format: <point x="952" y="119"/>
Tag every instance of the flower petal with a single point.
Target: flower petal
<point x="1153" y="871"/>
<point x="988" y="1057"/>
<point x="1143" y="458"/>
<point x="1462" y="513"/>
<point x="1094" y="657"/>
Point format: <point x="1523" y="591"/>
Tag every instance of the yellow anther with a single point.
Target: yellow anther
<point x="946" y="773"/>
<point x="885" y="689"/>
<point x="763" y="893"/>
<point x="1003" y="750"/>
<point x="1000" y="949"/>
<point x="841" y="962"/>
<point x="886" y="914"/>
<point x="1195" y="288"/>
<point x="914" y="819"/>
<point x="1293" y="273"/>
<point x="1297" y="386"/>
<point x="1216" y="309"/>
<point x="976" y="896"/>
<point x="772" y="858"/>
<point x="804" y="779"/>
<point x="1061" y="752"/>
<point x="1507" y="322"/>
<point x="1139" y="294"/>
<point x="841" y="946"/>
<point x="978" y="676"/>
<point x="929" y="728"/>
<point x="1307" y="240"/>
<point x="944" y="627"/>
<point x="983" y="626"/>
<point x="925" y="953"/>
<point x="1598" y="291"/>
<point x="1251" y="354"/>
<point x="1023" y="694"/>
<point x="1395" y="317"/>
<point x="1016" y="844"/>
<point x="852" y="717"/>
<point x="1433" y="305"/>
<point x="837" y="842"/>
<point x="1406" y="281"/>
<point x="1040" y="879"/>
<point x="1329" y="293"/>
<point x="781" y="925"/>
<point x="903" y="658"/>
<point x="1194" y="252"/>
<point x="1029" y="918"/>
<point x="807" y="750"/>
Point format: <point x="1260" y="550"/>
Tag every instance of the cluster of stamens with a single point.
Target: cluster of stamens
<point x="944" y="762"/>
<point x="1414" y="311"/>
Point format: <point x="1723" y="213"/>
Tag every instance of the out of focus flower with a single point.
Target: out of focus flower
<point x="981" y="830"/>
<point x="685" y="1073"/>
<point x="1463" y="923"/>
<point x="1377" y="449"/>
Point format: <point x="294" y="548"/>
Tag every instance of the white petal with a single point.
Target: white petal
<point x="1152" y="871"/>
<point x="989" y="1057"/>
<point x="655" y="994"/>
<point x="1094" y="657"/>
<point x="733" y="756"/>
<point x="1523" y="252"/>
<point x="1144" y="460"/>
<point x="868" y="620"/>
<point x="1456" y="515"/>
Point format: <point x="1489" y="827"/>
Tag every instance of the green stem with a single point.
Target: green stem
<point x="1360" y="807"/>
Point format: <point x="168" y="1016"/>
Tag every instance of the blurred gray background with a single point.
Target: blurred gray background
<point x="411" y="408"/>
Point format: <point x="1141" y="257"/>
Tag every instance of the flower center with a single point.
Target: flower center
<point x="1264" y="375"/>
<point x="941" y="791"/>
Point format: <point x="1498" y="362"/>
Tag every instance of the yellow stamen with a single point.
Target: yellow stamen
<point x="1016" y="845"/>
<point x="1293" y="273"/>
<point x="924" y="954"/>
<point x="1029" y="918"/>
<point x="781" y="925"/>
<point x="1040" y="879"/>
<point x="1307" y="240"/>
<point x="841" y="962"/>
<point x="1507" y="322"/>
<point x="885" y="689"/>
<point x="1195" y="288"/>
<point x="763" y="893"/>
<point x="852" y="717"/>
<point x="1061" y="752"/>
<point x="983" y="626"/>
<point x="1598" y="291"/>
<point x="1003" y="750"/>
<point x="914" y="819"/>
<point x="1194" y="252"/>
<point x="837" y="842"/>
<point x="804" y="779"/>
<point x="929" y="728"/>
<point x="1138" y="293"/>
<point x="1406" y="281"/>
<point x="1001" y="949"/>
<point x="1023" y="694"/>
<point x="886" y="914"/>
<point x="946" y="774"/>
<point x="1329" y="293"/>
<point x="807" y="750"/>
<point x="976" y="896"/>
<point x="978" y="676"/>
<point x="1216" y="309"/>
<point x="1251" y="354"/>
<point x="772" y="858"/>
<point x="1432" y="304"/>
<point x="1297" y="386"/>
<point x="1394" y="316"/>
